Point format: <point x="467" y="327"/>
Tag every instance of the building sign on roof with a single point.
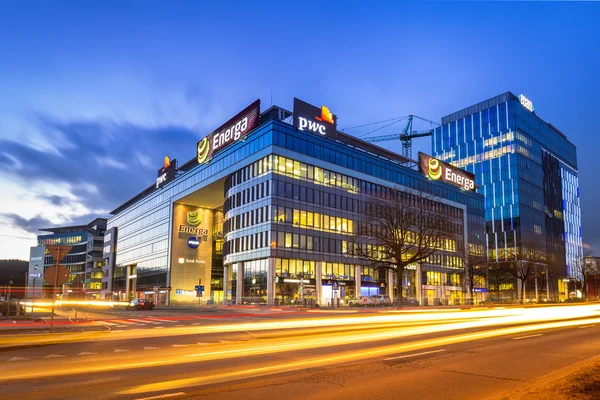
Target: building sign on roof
<point x="167" y="173"/>
<point x="525" y="102"/>
<point x="314" y="119"/>
<point x="232" y="130"/>
<point x="438" y="170"/>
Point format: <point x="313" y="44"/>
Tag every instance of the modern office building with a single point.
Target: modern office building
<point x="527" y="171"/>
<point x="265" y="212"/>
<point x="84" y="261"/>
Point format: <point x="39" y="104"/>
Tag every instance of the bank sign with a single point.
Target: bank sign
<point x="314" y="119"/>
<point x="438" y="170"/>
<point x="228" y="133"/>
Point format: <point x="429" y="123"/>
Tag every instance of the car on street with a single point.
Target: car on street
<point x="140" y="304"/>
<point x="381" y="300"/>
<point x="356" y="302"/>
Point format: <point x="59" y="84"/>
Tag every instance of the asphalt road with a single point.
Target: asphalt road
<point x="444" y="355"/>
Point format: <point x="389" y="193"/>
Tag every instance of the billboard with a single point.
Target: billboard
<point x="167" y="173"/>
<point x="436" y="169"/>
<point x="231" y="131"/>
<point x="191" y="251"/>
<point x="314" y="119"/>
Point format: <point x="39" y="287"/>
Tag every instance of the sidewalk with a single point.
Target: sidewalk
<point x="577" y="382"/>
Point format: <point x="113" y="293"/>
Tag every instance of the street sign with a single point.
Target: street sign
<point x="199" y="288"/>
<point x="336" y="286"/>
<point x="54" y="277"/>
<point x="364" y="300"/>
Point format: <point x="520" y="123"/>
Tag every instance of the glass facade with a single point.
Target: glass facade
<point x="289" y="202"/>
<point x="527" y="171"/>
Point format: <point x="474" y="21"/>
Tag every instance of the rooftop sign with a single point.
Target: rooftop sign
<point x="314" y="119"/>
<point x="167" y="173"/>
<point x="439" y="170"/>
<point x="232" y="130"/>
<point x="525" y="102"/>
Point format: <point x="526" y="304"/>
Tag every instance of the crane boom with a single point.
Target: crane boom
<point x="406" y="136"/>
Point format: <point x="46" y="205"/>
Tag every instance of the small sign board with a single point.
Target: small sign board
<point x="336" y="286"/>
<point x="54" y="277"/>
<point x="199" y="288"/>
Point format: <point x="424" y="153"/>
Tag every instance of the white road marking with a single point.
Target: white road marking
<point x="587" y="326"/>
<point x="86" y="353"/>
<point x="162" y="396"/>
<point x="414" y="355"/>
<point x="528" y="336"/>
<point x="163" y="320"/>
<point x="145" y="321"/>
<point x="120" y="350"/>
<point x="158" y="327"/>
<point x="180" y="345"/>
<point x="54" y="356"/>
<point x="151" y="348"/>
<point x="19" y="359"/>
<point x="109" y="323"/>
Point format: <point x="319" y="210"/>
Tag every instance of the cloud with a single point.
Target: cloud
<point x="110" y="162"/>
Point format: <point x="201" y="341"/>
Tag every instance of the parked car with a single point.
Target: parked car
<point x="406" y="301"/>
<point x="140" y="304"/>
<point x="381" y="300"/>
<point x="355" y="302"/>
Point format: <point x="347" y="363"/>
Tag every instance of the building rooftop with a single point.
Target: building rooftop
<point x="75" y="228"/>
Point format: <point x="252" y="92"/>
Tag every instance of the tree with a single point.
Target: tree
<point x="473" y="263"/>
<point x="399" y="229"/>
<point x="589" y="268"/>
<point x="499" y="275"/>
<point x="526" y="258"/>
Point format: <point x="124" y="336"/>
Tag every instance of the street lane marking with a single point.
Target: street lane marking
<point x="525" y="337"/>
<point x="163" y="320"/>
<point x="19" y="359"/>
<point x="145" y="321"/>
<point x="587" y="326"/>
<point x="120" y="350"/>
<point x="413" y="355"/>
<point x="180" y="345"/>
<point x="86" y="353"/>
<point x="109" y="323"/>
<point x="197" y="323"/>
<point x="158" y="327"/>
<point x="151" y="348"/>
<point x="54" y="356"/>
<point x="162" y="396"/>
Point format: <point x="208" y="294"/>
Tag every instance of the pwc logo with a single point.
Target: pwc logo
<point x="325" y="115"/>
<point x="316" y="127"/>
<point x="167" y="163"/>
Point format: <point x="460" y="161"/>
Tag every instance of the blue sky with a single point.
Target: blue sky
<point x="94" y="94"/>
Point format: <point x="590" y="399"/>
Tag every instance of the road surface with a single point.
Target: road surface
<point x="447" y="354"/>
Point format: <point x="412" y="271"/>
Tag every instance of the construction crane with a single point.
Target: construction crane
<point x="406" y="136"/>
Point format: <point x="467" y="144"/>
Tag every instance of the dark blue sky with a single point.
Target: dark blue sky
<point x="94" y="94"/>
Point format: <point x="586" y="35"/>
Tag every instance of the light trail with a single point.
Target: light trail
<point x="262" y="347"/>
<point x="387" y="320"/>
<point x="341" y="357"/>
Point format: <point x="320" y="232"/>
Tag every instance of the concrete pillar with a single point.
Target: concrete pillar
<point x="319" y="280"/>
<point x="390" y="288"/>
<point x="225" y="284"/>
<point x="419" y="285"/>
<point x="270" y="281"/>
<point x="547" y="283"/>
<point x="443" y="288"/>
<point x="357" y="270"/>
<point x="240" y="282"/>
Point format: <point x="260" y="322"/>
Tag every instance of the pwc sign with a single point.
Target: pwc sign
<point x="314" y="119"/>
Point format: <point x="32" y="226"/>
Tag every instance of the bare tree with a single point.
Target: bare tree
<point x="400" y="229"/>
<point x="473" y="264"/>
<point x="526" y="258"/>
<point x="589" y="267"/>
<point x="499" y="275"/>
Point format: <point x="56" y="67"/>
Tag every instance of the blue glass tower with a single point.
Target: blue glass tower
<point x="527" y="171"/>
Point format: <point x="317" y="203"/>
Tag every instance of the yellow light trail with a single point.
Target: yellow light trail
<point x="261" y="347"/>
<point x="484" y="318"/>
